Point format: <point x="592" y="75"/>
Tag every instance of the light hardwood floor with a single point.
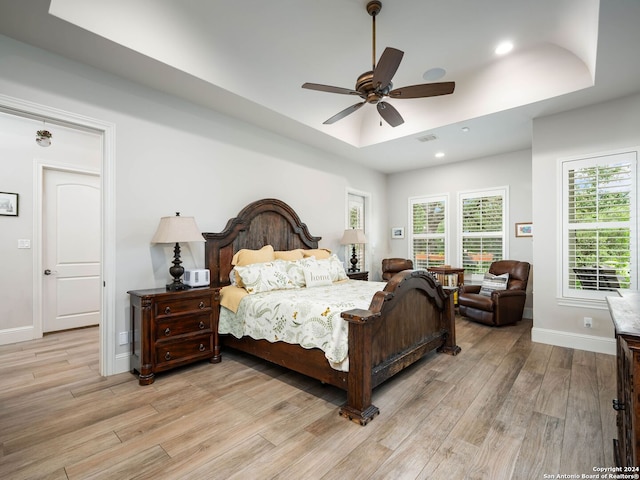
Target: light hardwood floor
<point x="504" y="408"/>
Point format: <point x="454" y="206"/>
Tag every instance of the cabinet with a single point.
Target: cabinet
<point x="450" y="279"/>
<point x="171" y="329"/>
<point x="448" y="276"/>
<point x="625" y="312"/>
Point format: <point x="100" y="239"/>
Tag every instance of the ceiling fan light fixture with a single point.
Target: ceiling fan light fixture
<point x="373" y="86"/>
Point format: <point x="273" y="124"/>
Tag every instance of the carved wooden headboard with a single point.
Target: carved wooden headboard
<point x="264" y="222"/>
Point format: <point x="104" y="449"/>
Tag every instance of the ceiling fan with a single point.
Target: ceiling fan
<point x="376" y="84"/>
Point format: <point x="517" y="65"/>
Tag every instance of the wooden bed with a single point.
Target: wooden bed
<point x="410" y="318"/>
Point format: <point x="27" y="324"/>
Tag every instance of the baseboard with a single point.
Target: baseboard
<point x="123" y="363"/>
<point x="590" y="343"/>
<point x="15" y="335"/>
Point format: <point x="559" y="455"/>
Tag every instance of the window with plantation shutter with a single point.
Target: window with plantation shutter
<point x="356" y="220"/>
<point x="428" y="231"/>
<point x="599" y="225"/>
<point x="483" y="236"/>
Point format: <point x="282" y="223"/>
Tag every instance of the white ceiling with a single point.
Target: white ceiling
<point x="249" y="58"/>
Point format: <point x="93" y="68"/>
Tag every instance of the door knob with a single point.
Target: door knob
<point x="47" y="272"/>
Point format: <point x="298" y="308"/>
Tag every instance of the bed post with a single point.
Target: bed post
<point x="449" y="320"/>
<point x="359" y="382"/>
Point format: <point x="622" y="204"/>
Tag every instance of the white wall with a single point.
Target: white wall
<point x="174" y="156"/>
<point x="604" y="127"/>
<point x="510" y="169"/>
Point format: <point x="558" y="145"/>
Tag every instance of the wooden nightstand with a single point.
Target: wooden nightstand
<point x="358" y="275"/>
<point x="171" y="329"/>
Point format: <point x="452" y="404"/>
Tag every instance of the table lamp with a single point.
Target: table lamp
<point x="175" y="230"/>
<point x="353" y="237"/>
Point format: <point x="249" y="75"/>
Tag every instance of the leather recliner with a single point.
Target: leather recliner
<point x="391" y="266"/>
<point x="503" y="307"/>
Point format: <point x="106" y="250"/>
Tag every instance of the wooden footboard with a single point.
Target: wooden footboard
<point x="410" y="318"/>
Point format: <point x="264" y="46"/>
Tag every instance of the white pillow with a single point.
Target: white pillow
<point x="335" y="267"/>
<point x="317" y="275"/>
<point x="493" y="282"/>
<point x="264" y="277"/>
<point x="295" y="272"/>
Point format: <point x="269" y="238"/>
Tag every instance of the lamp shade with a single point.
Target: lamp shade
<point x="177" y="229"/>
<point x="353" y="236"/>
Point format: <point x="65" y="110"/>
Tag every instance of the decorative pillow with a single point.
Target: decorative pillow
<point x="335" y="266"/>
<point x="493" y="282"/>
<point x="263" y="277"/>
<point x="247" y="257"/>
<point x="319" y="253"/>
<point x="289" y="255"/>
<point x="317" y="275"/>
<point x="295" y="272"/>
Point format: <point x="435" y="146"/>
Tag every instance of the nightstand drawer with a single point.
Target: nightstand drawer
<point x="167" y="327"/>
<point x="169" y="353"/>
<point x="182" y="305"/>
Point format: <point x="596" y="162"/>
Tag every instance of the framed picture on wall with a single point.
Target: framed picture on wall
<point x="9" y="204"/>
<point x="397" y="232"/>
<point x="524" y="229"/>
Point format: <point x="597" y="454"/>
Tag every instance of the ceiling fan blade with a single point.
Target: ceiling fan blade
<point x="390" y="114"/>
<point x="387" y="67"/>
<point x="343" y="113"/>
<point x="329" y="89"/>
<point x="424" y="90"/>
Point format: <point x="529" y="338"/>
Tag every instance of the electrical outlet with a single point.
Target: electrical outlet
<point x="588" y="322"/>
<point x="124" y="338"/>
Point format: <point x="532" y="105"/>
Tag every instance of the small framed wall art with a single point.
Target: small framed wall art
<point x="9" y="204"/>
<point x="524" y="229"/>
<point x="397" y="232"/>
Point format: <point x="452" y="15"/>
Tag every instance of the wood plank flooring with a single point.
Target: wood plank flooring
<point x="505" y="408"/>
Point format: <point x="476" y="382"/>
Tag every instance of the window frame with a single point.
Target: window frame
<point x="364" y="200"/>
<point x="502" y="191"/>
<point x="425" y="199"/>
<point x="586" y="296"/>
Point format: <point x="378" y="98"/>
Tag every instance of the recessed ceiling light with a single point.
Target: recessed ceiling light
<point x="503" y="48"/>
<point x="439" y="154"/>
<point x="434" y="74"/>
<point x="465" y="129"/>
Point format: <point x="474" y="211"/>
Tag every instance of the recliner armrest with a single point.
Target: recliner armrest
<point x="470" y="289"/>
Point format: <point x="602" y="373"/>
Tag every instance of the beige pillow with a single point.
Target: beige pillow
<point x="247" y="257"/>
<point x="319" y="253"/>
<point x="289" y="255"/>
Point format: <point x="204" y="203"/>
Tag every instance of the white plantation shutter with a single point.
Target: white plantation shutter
<point x="427" y="231"/>
<point x="356" y="220"/>
<point x="600" y="225"/>
<point x="483" y="228"/>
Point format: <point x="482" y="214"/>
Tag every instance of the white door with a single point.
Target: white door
<point x="71" y="250"/>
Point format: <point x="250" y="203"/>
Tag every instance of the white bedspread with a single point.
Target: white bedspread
<point x="309" y="317"/>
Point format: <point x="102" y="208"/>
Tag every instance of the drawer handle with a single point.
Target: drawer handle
<point x="618" y="405"/>
<point x="167" y="331"/>
<point x="201" y="325"/>
<point x="201" y="347"/>
<point x="167" y="356"/>
<point x="201" y="305"/>
<point x="167" y="310"/>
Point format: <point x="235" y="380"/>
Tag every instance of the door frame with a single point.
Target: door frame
<point x="107" y="326"/>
